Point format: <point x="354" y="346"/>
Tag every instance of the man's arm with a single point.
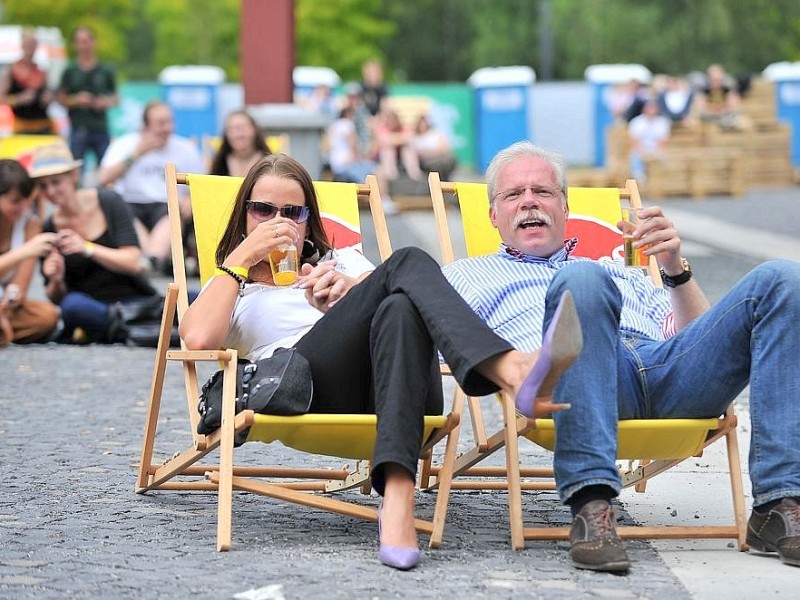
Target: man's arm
<point x="658" y="236"/>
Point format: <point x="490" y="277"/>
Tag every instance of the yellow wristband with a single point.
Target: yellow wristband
<point x="241" y="271"/>
<point x="88" y="249"/>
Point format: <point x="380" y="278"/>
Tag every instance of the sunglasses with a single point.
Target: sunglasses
<point x="264" y="210"/>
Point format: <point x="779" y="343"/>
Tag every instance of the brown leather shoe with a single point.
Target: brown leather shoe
<point x="777" y="531"/>
<point x="594" y="543"/>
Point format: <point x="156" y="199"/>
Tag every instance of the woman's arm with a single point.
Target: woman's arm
<point x="124" y="259"/>
<point x="207" y="321"/>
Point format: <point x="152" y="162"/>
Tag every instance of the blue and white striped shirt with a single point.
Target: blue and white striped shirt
<point x="508" y="293"/>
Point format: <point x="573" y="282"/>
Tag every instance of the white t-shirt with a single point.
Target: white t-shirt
<point x="268" y="317"/>
<point x="144" y="181"/>
<point x="341" y="134"/>
<point x="649" y="131"/>
<point x="17" y="240"/>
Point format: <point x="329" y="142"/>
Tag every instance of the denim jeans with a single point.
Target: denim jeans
<point x="752" y="335"/>
<point x="82" y="141"/>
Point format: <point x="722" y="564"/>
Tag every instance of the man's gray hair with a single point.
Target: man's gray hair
<point x="521" y="149"/>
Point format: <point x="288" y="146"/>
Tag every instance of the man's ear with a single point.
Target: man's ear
<point x="493" y="215"/>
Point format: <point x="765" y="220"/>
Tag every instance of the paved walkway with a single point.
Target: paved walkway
<point x="71" y="527"/>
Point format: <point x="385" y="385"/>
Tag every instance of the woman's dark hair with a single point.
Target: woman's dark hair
<point x="13" y="176"/>
<point x="285" y="167"/>
<point x="219" y="164"/>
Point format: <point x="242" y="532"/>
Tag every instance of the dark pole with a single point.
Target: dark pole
<point x="546" y="40"/>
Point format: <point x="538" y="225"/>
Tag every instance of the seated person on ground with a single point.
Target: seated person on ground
<point x="95" y="264"/>
<point x="22" y="320"/>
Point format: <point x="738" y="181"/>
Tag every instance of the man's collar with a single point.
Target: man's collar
<point x="560" y="255"/>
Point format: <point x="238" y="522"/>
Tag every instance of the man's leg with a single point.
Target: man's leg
<point x="751" y="334"/>
<point x="586" y="442"/>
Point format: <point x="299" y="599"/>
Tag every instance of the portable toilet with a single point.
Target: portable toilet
<point x="502" y="109"/>
<point x="786" y="76"/>
<point x="192" y="91"/>
<point x="603" y="79"/>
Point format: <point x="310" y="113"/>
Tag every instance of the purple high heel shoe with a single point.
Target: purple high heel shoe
<point x="396" y="556"/>
<point x="561" y="344"/>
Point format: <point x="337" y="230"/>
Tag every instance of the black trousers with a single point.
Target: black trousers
<point x="375" y="351"/>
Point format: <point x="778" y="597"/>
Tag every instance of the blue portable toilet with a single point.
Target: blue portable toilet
<point x="603" y="78"/>
<point x="786" y="76"/>
<point x="502" y="109"/>
<point x="192" y="91"/>
<point x="305" y="79"/>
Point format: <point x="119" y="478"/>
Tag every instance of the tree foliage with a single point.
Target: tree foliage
<point x="435" y="40"/>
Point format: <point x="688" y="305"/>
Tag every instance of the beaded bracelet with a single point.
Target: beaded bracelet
<point x="238" y="273"/>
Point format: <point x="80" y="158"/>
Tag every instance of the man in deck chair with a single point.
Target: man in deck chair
<point x="649" y="352"/>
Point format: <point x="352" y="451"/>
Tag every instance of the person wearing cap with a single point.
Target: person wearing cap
<point x="95" y="263"/>
<point x="134" y="166"/>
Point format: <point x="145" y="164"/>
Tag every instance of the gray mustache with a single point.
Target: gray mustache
<point x="532" y="215"/>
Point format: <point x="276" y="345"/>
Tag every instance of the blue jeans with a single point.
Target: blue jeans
<point x="83" y="140"/>
<point x="752" y="335"/>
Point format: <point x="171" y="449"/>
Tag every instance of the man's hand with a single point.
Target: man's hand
<point x="324" y="285"/>
<point x="658" y="236"/>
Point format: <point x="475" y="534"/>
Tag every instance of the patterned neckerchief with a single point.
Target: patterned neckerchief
<point x="560" y="256"/>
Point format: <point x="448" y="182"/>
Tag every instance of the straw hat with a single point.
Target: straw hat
<point x="52" y="159"/>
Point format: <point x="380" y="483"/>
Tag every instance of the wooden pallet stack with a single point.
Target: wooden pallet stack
<point x="707" y="159"/>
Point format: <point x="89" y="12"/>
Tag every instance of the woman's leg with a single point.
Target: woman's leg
<point x="81" y="310"/>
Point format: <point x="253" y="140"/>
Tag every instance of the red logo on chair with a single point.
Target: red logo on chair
<point x="596" y="239"/>
<point x="340" y="233"/>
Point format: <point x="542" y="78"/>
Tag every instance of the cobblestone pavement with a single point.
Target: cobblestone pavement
<point x="71" y="525"/>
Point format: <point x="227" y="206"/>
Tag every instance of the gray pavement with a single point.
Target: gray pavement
<point x="72" y="527"/>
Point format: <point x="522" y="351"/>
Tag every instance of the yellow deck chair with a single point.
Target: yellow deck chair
<point x="345" y="436"/>
<point x="649" y="447"/>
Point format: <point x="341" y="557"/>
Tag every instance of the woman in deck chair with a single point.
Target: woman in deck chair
<point x="371" y="337"/>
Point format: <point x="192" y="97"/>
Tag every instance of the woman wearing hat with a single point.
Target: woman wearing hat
<point x="96" y="263"/>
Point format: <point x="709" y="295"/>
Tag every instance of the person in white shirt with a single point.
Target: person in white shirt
<point x="134" y="165"/>
<point x="648" y="134"/>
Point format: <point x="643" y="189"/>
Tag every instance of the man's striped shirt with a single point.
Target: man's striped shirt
<point x="508" y="292"/>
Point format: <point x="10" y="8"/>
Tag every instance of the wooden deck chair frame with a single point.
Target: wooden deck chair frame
<point x="300" y="485"/>
<point x="461" y="471"/>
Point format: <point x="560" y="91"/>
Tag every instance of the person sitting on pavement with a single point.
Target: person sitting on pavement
<point x="134" y="165"/>
<point x="362" y="330"/>
<point x="22" y="242"/>
<point x="649" y="352"/>
<point x="96" y="261"/>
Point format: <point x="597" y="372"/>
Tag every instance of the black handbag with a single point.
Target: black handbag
<point x="278" y="385"/>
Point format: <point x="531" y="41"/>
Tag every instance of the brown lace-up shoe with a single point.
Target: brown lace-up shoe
<point x="594" y="543"/>
<point x="777" y="531"/>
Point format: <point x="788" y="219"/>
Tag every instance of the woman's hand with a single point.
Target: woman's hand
<point x="70" y="242"/>
<point x="40" y="244"/>
<point x="268" y="235"/>
<point x="53" y="267"/>
<point x="324" y="285"/>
